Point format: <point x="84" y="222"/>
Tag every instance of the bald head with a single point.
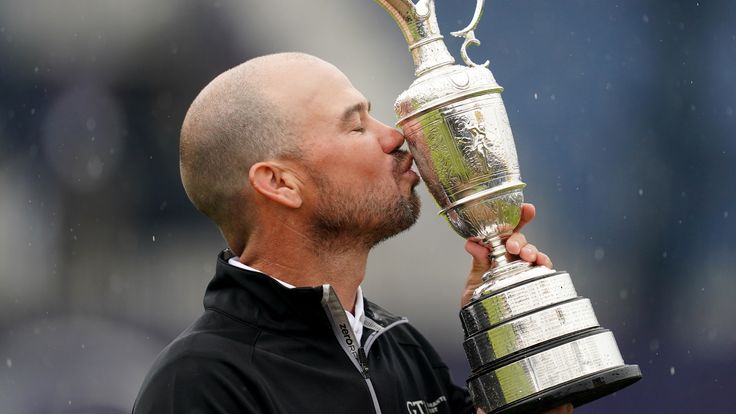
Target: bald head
<point x="242" y="117"/>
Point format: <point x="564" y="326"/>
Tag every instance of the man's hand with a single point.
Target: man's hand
<point x="563" y="409"/>
<point x="516" y="247"/>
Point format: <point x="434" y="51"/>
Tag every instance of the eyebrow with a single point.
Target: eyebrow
<point x="358" y="107"/>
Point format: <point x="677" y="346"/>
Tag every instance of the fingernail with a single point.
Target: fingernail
<point x="512" y="246"/>
<point x="527" y="250"/>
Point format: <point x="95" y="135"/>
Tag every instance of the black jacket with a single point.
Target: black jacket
<point x="262" y="348"/>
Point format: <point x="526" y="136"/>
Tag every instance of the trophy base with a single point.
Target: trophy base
<point x="577" y="392"/>
<point x="533" y="344"/>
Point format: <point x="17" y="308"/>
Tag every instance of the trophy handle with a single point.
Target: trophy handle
<point x="469" y="34"/>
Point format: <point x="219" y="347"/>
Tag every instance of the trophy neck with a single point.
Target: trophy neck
<point x="498" y="250"/>
<point x="419" y="25"/>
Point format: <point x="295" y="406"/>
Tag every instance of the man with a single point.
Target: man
<point x="283" y="155"/>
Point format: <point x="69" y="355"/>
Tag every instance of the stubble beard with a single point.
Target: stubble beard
<point x="346" y="220"/>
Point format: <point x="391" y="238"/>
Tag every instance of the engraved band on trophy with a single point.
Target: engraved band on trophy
<point x="531" y="341"/>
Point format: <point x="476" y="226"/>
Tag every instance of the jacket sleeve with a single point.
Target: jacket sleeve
<point x="195" y="385"/>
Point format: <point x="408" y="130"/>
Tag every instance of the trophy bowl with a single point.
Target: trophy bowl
<point x="464" y="149"/>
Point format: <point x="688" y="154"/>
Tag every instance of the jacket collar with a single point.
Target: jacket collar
<point x="258" y="299"/>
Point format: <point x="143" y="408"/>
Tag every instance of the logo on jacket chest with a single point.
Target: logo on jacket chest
<point x="348" y="339"/>
<point x="423" y="407"/>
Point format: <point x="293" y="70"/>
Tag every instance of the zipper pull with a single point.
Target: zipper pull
<point x="363" y="359"/>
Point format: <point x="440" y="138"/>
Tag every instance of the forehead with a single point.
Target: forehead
<point x="334" y="96"/>
<point x="315" y="95"/>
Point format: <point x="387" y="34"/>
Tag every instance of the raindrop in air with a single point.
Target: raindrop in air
<point x="599" y="253"/>
<point x="94" y="167"/>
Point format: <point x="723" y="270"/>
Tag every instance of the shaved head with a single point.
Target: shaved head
<point x="239" y="119"/>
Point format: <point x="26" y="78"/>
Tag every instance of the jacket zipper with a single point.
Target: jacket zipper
<point x="346" y="337"/>
<point x="363" y="358"/>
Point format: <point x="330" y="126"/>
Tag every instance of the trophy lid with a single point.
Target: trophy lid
<point x="438" y="82"/>
<point x="442" y="86"/>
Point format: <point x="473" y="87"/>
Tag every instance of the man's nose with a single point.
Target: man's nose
<point x="391" y="139"/>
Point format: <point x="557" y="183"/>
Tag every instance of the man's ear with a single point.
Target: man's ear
<point x="276" y="183"/>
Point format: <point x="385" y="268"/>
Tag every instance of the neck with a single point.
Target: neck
<point x="299" y="259"/>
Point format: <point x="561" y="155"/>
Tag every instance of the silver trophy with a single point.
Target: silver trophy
<point x="531" y="341"/>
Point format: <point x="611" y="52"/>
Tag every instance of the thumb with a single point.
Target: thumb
<point x="478" y="267"/>
<point x="481" y="263"/>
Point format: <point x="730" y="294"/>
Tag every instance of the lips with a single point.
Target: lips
<point x="405" y="169"/>
<point x="403" y="163"/>
<point x="406" y="163"/>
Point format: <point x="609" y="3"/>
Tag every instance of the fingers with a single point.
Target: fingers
<point x="563" y="409"/>
<point x="515" y="243"/>
<point x="529" y="253"/>
<point x="544" y="260"/>
<point x="528" y="211"/>
<point x="481" y="263"/>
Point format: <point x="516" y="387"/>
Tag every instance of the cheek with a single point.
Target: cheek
<point x="360" y="165"/>
<point x="354" y="161"/>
